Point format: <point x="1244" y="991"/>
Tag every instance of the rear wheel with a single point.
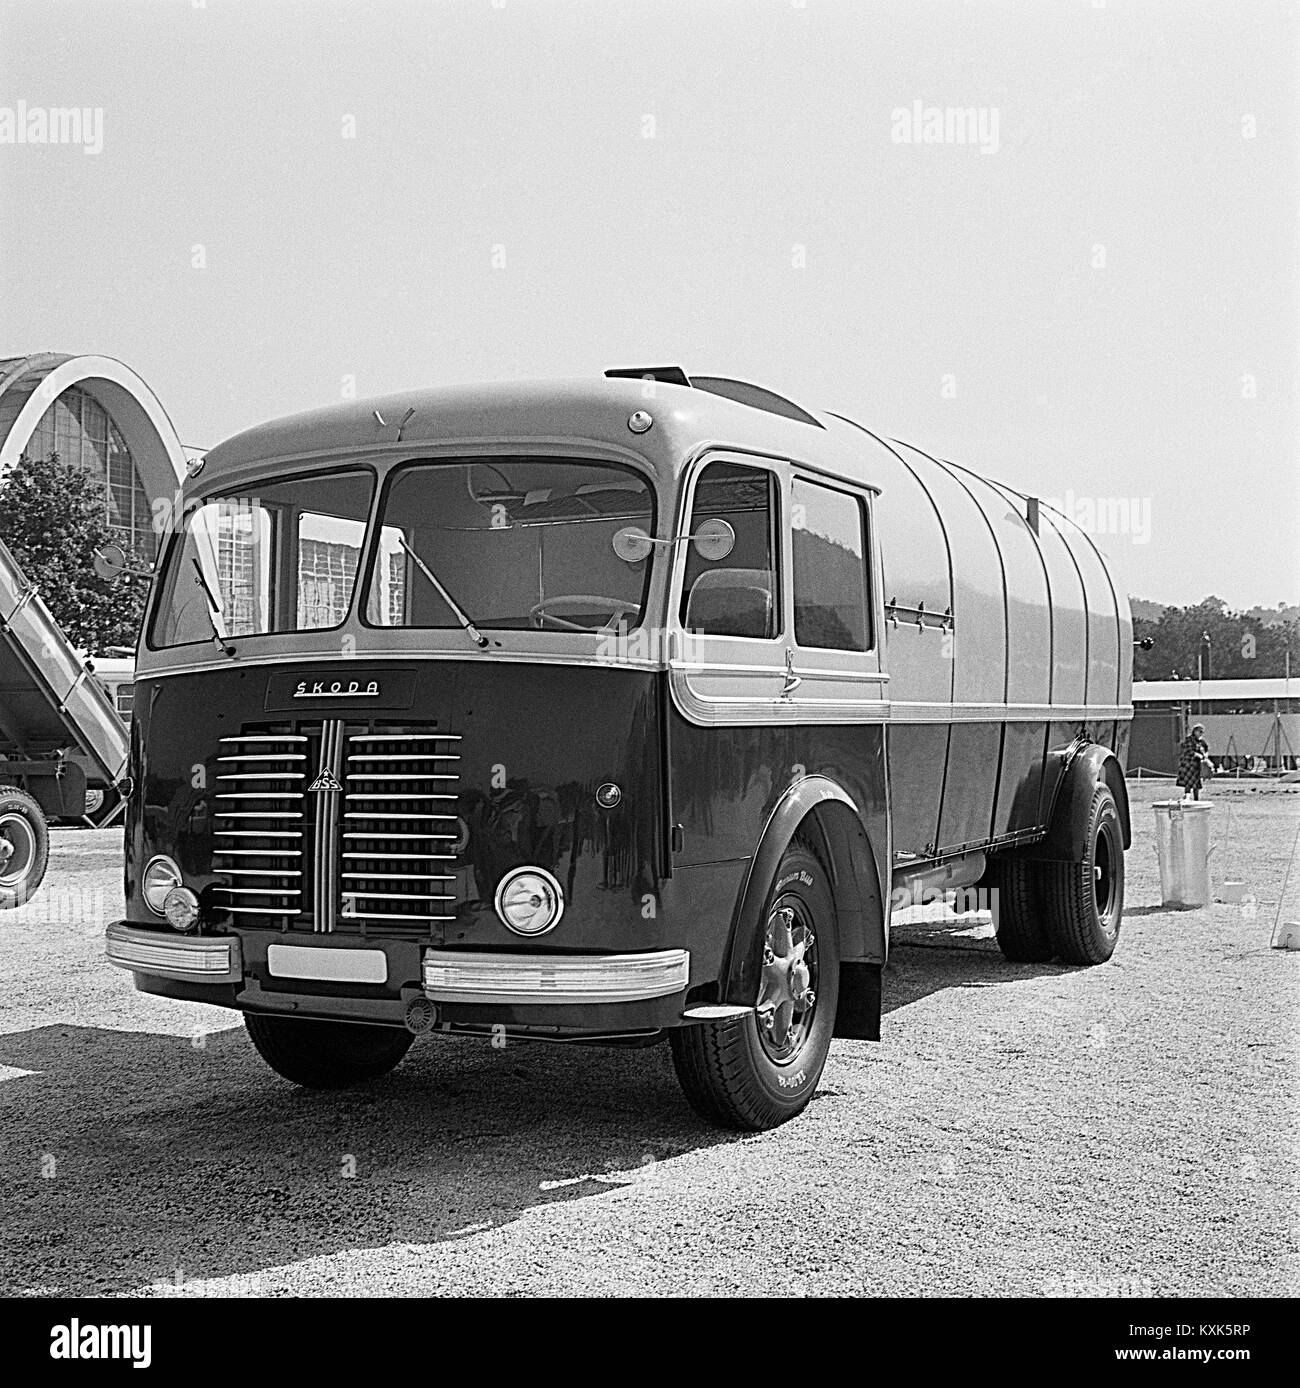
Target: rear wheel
<point x="1085" y="899"/>
<point x="1020" y="916"/>
<point x="326" y="1055"/>
<point x="757" y="1071"/>
<point x="103" y="807"/>
<point x="24" y="846"/>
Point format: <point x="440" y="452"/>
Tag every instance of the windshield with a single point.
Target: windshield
<point x="521" y="544"/>
<point x="277" y="557"/>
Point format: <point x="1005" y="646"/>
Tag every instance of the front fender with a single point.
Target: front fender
<point x="831" y="818"/>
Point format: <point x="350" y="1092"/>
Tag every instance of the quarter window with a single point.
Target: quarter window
<point x="828" y="553"/>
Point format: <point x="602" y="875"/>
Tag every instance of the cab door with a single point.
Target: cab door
<point x="727" y="667"/>
<point x="728" y="657"/>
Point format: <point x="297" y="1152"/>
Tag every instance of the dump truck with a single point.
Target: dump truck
<point x="58" y="728"/>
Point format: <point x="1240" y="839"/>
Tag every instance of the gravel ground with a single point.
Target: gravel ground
<point x="1022" y="1129"/>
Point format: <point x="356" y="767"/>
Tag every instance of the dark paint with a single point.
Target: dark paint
<point x="918" y="755"/>
<point x="536" y="742"/>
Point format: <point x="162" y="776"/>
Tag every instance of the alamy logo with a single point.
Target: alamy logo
<point x="326" y="782"/>
<point x="920" y="124"/>
<point x="53" y="125"/>
<point x="77" y="1341"/>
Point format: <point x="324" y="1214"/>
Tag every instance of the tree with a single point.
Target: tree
<point x="52" y="517"/>
<point x="1242" y="646"/>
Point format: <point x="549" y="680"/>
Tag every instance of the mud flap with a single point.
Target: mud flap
<point x="858" y="1016"/>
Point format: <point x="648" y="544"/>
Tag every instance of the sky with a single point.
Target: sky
<point x="1089" y="291"/>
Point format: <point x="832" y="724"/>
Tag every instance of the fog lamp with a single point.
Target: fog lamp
<point x="530" y="901"/>
<point x="160" y="876"/>
<point x="181" y="907"/>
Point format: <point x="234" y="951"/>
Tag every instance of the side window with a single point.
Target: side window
<point x="738" y="594"/>
<point x="829" y="560"/>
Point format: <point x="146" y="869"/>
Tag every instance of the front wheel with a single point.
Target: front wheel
<point x="326" y="1055"/>
<point x="760" y="1070"/>
<point x="24" y="846"/>
<point x="1084" y="900"/>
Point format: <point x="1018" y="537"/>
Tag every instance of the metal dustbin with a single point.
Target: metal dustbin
<point x="1183" y="847"/>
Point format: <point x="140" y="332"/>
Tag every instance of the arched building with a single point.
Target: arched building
<point x="98" y="414"/>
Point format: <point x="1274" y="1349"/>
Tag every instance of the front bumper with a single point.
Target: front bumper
<point x="198" y="958"/>
<point x="462" y="976"/>
<point x="447" y="977"/>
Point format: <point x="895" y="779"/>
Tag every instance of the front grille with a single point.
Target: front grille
<point x="338" y="826"/>
<point x="399" y="828"/>
<point x="261" y="824"/>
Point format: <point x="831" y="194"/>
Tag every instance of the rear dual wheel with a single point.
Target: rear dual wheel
<point x="757" y="1071"/>
<point x="1085" y="900"/>
<point x="103" y="807"/>
<point x="1069" y="911"/>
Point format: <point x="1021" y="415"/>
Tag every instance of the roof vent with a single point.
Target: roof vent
<point x="742" y="392"/>
<point x="669" y="375"/>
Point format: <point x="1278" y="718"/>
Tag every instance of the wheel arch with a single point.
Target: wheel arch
<point x="1091" y="765"/>
<point x="822" y="811"/>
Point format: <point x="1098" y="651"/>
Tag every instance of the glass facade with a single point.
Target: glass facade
<point x="80" y="431"/>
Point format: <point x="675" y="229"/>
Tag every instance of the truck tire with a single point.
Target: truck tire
<point x="102" y="809"/>
<point x="1085" y="899"/>
<point x="1020" y="915"/>
<point x="757" y="1071"/>
<point x="24" y="846"/>
<point x="326" y="1055"/>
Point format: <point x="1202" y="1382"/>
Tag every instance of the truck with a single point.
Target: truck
<point x="619" y="710"/>
<point x="58" y="731"/>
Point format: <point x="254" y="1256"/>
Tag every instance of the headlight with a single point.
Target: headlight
<point x="530" y="901"/>
<point x="160" y="876"/>
<point x="181" y="907"/>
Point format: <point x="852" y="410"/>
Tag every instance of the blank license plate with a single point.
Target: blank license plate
<point x="334" y="965"/>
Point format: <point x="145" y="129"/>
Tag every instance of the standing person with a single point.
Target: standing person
<point x="1193" y="761"/>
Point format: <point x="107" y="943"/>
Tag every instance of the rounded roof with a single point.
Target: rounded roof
<point x="530" y="412"/>
<point x="29" y="385"/>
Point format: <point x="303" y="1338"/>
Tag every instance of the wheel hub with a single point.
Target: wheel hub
<point x="787" y="995"/>
<point x="1103" y="882"/>
<point x="17" y="849"/>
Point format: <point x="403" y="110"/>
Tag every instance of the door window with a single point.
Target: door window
<point x="828" y="552"/>
<point x="737" y="595"/>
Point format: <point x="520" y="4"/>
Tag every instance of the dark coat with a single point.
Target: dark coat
<point x="1190" y="754"/>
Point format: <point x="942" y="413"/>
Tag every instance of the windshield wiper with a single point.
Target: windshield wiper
<point x="462" y="616"/>
<point x="214" y="610"/>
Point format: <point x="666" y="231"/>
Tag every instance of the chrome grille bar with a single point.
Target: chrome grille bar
<point x="327" y="824"/>
<point x="405" y="737"/>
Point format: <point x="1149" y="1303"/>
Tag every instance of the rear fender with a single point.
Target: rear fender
<point x="1091" y="766"/>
